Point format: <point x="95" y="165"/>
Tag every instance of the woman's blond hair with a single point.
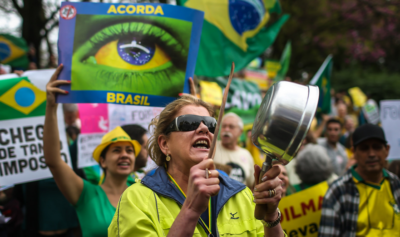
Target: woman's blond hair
<point x="161" y="122"/>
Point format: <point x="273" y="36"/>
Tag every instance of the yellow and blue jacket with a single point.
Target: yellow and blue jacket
<point x="149" y="208"/>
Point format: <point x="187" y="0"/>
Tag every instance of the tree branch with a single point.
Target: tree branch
<point x="7" y="10"/>
<point x="47" y="31"/>
<point x="52" y="15"/>
<point x="16" y="6"/>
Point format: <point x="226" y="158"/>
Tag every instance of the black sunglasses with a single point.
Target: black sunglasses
<point x="190" y="122"/>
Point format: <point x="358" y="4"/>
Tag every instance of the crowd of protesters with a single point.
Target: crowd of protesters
<point x="341" y="148"/>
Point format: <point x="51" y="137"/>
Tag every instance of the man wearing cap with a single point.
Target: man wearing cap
<point x="365" y="201"/>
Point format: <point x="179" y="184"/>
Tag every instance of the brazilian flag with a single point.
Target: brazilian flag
<point x="285" y="62"/>
<point x="19" y="98"/>
<point x="13" y="51"/>
<point x="233" y="31"/>
<point x="322" y="79"/>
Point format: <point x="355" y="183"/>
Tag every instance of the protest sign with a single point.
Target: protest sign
<point x="94" y="118"/>
<point x="371" y="111"/>
<point x="101" y="118"/>
<point x="133" y="54"/>
<point x="211" y="92"/>
<point x="259" y="77"/>
<point x="358" y="96"/>
<point x="390" y="119"/>
<point x="86" y="144"/>
<point x="120" y="115"/>
<point x="301" y="212"/>
<point x="23" y="106"/>
<point x="242" y="94"/>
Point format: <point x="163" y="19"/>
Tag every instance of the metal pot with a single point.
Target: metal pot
<point x="284" y="118"/>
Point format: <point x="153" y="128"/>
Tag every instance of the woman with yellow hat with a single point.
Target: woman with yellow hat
<point x="94" y="204"/>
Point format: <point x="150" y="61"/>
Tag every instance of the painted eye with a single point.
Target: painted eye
<point x="132" y="54"/>
<point x="135" y="52"/>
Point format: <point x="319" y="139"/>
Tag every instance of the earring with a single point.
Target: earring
<point x="168" y="158"/>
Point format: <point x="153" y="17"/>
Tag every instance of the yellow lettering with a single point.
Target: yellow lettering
<point x="140" y="9"/>
<point x="159" y="10"/>
<point x="112" y="10"/>
<point x="120" y="98"/>
<point x="137" y="99"/>
<point x="141" y="102"/>
<point x="110" y="97"/>
<point x="145" y="101"/>
<point x="129" y="99"/>
<point x="149" y="9"/>
<point x="121" y="9"/>
<point x="130" y="9"/>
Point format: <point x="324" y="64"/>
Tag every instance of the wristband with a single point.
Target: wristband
<point x="274" y="223"/>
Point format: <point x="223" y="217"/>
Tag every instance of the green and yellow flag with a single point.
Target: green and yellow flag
<point x="322" y="79"/>
<point x="13" y="51"/>
<point x="233" y="31"/>
<point x="285" y="62"/>
<point x="21" y="99"/>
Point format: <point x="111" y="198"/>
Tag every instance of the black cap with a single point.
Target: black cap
<point x="368" y="131"/>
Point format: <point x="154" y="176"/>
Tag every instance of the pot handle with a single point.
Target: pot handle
<point x="267" y="165"/>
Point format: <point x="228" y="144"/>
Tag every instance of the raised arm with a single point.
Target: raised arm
<point x="69" y="183"/>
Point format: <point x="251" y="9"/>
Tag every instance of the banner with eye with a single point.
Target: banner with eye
<point x="133" y="54"/>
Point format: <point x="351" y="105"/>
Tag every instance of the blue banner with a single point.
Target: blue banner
<point x="138" y="54"/>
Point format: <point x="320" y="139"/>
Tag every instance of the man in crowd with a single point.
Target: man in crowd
<point x="365" y="201"/>
<point x="335" y="150"/>
<point x="229" y="153"/>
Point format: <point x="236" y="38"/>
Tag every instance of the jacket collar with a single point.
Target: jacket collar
<point x="160" y="184"/>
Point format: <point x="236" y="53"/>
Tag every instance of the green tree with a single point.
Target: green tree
<point x="365" y="32"/>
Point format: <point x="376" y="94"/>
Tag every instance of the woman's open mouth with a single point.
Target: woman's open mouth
<point x="202" y="144"/>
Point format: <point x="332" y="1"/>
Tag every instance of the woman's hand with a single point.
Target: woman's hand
<point x="201" y="189"/>
<point x="52" y="87"/>
<point x="261" y="192"/>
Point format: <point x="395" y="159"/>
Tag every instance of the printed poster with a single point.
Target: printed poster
<point x="132" y="54"/>
<point x="23" y="106"/>
<point x="301" y="212"/>
<point x="390" y="119"/>
<point x="101" y="118"/>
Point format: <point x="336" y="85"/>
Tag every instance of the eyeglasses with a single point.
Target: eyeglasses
<point x="191" y="122"/>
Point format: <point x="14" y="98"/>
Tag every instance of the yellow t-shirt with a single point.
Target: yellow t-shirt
<point x="378" y="214"/>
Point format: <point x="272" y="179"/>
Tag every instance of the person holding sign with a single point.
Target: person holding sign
<point x="186" y="196"/>
<point x="365" y="201"/>
<point x="94" y="204"/>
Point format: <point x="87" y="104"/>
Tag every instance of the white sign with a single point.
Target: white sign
<point x="86" y="145"/>
<point x="21" y="140"/>
<point x="122" y="114"/>
<point x="21" y="149"/>
<point x="390" y="118"/>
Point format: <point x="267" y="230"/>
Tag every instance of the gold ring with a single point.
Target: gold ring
<point x="273" y="192"/>
<point x="270" y="193"/>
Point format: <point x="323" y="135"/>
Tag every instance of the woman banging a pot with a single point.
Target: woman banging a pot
<point x="186" y="196"/>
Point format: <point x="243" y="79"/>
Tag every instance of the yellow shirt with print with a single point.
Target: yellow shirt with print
<point x="378" y="214"/>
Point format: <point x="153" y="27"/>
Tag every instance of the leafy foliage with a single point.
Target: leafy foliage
<point x="366" y="32"/>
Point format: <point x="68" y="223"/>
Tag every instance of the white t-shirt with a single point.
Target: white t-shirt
<point x="241" y="161"/>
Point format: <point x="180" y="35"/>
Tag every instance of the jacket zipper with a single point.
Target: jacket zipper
<point x="205" y="229"/>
